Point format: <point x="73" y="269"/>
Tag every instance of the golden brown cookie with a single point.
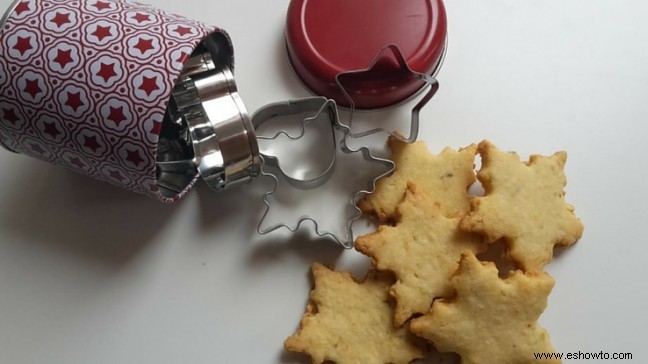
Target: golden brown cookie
<point x="444" y="177"/>
<point x="524" y="204"/>
<point x="490" y="320"/>
<point x="423" y="250"/>
<point x="347" y="322"/>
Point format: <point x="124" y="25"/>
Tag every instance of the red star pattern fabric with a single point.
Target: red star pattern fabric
<point x="156" y="128"/>
<point x="74" y="100"/>
<point x="116" y="115"/>
<point x="106" y="71"/>
<point x="91" y="143"/>
<point x="93" y="103"/>
<point x="22" y="7"/>
<point x="51" y="130"/>
<point x="9" y="115"/>
<point x="134" y="157"/>
<point x="23" y="44"/>
<point x="144" y="45"/>
<point x="63" y="58"/>
<point x="102" y="32"/>
<point x="149" y="85"/>
<point x="61" y="19"/>
<point x="32" y="87"/>
<point x="140" y="18"/>
<point x="182" y="57"/>
<point x="101" y="5"/>
<point x="182" y="30"/>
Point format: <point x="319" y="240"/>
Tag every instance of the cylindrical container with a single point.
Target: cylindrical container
<point x="124" y="93"/>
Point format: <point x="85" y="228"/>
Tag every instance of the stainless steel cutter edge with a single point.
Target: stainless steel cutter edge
<point x="329" y="106"/>
<point x="429" y="81"/>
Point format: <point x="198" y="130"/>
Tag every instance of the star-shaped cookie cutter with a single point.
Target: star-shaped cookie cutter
<point x="429" y="81"/>
<point x="320" y="109"/>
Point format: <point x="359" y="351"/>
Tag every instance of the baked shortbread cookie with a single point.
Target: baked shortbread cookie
<point x="347" y="322"/>
<point x="524" y="204"/>
<point x="423" y="250"/>
<point x="444" y="177"/>
<point x="491" y="320"/>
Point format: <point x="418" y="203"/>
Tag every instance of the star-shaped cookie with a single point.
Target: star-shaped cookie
<point x="423" y="250"/>
<point x="490" y="320"/>
<point x="347" y="322"/>
<point x="444" y="177"/>
<point x="524" y="204"/>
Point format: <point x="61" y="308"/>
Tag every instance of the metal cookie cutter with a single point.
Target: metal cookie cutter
<point x="428" y="81"/>
<point x="327" y="118"/>
<point x="210" y="115"/>
<point x="317" y="107"/>
<point x="368" y="54"/>
<point x="330" y="45"/>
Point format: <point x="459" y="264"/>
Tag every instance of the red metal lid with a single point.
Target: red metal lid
<point x="326" y="38"/>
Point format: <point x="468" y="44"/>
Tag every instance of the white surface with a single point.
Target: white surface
<point x="91" y="274"/>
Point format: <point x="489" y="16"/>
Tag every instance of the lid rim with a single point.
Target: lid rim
<point x="318" y="73"/>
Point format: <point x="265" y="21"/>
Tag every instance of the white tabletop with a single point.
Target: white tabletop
<point x="93" y="274"/>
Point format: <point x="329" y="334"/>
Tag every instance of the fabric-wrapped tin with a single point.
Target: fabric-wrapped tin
<point x="90" y="85"/>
